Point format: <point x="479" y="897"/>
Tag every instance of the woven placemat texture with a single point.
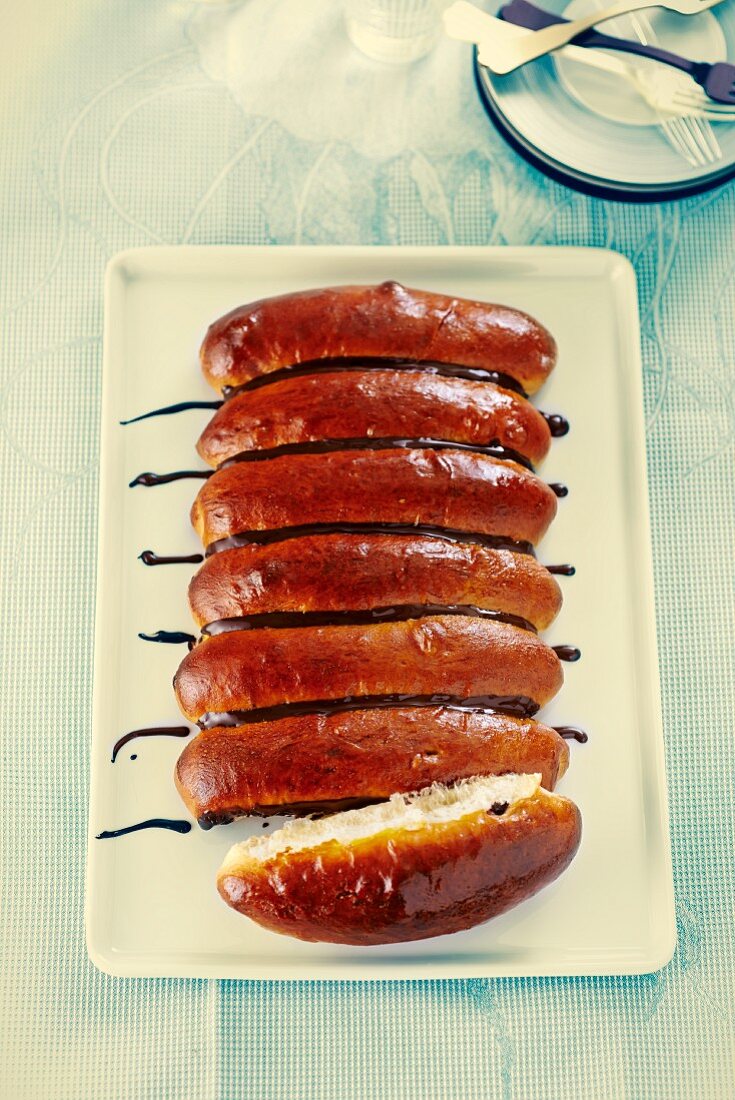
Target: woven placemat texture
<point x="124" y="137"/>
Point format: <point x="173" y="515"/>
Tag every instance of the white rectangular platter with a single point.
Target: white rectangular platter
<point x="152" y="906"/>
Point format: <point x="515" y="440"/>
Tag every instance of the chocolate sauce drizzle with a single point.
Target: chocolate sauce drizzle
<point x="169" y="637"/>
<point x="280" y="534"/>
<point x="151" y="731"/>
<point x="287" y="809"/>
<point x="148" y="479"/>
<point x="572" y="733"/>
<point x="567" y="652"/>
<point x="168" y="410"/>
<point x="149" y="557"/>
<point x="558" y="424"/>
<point x="352" y="363"/>
<point x="517" y="706"/>
<point x="152" y="823"/>
<point x="279" y="620"/>
<point x="561" y="570"/>
<point x="494" y="449"/>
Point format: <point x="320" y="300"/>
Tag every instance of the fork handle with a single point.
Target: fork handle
<point x="525" y="14"/>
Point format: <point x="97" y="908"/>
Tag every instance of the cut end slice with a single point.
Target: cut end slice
<point x="420" y="865"/>
<point x="432" y="806"/>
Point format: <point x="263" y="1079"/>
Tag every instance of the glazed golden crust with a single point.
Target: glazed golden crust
<point x="375" y="321"/>
<point x="295" y="764"/>
<point x="462" y="657"/>
<point x="405" y="884"/>
<point x="377" y="404"/>
<point x="353" y="572"/>
<point x="454" y="489"/>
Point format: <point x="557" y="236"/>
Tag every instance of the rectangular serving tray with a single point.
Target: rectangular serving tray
<point x="152" y="907"/>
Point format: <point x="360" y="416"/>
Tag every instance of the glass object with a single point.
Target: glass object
<point x="398" y="31"/>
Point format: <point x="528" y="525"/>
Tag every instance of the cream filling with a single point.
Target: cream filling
<point x="432" y="806"/>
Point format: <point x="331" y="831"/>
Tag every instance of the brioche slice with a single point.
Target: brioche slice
<point x="419" y="865"/>
<point x="344" y="572"/>
<point x="323" y="762"/>
<point x="374" y="404"/>
<point x="448" y="655"/>
<point x="452" y="489"/>
<point x="388" y="320"/>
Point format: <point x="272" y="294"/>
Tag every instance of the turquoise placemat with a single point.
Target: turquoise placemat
<point x="135" y="127"/>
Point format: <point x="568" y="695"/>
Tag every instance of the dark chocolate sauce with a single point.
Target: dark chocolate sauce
<point x="278" y="620"/>
<point x="558" y="489"/>
<point x="324" y="446"/>
<point x="558" y="424"/>
<point x="561" y="570"/>
<point x="152" y="731"/>
<point x="170" y="637"/>
<point x="352" y="363"/>
<point x="149" y="557"/>
<point x="572" y="733"/>
<point x="152" y="823"/>
<point x="567" y="652"/>
<point x="167" y="410"/>
<point x="280" y="534"/>
<point x="498" y="808"/>
<point x="149" y="479"/>
<point x="517" y="706"/>
<point x="319" y="808"/>
<point x="211" y="818"/>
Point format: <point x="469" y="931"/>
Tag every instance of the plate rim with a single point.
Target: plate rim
<point x="660" y="947"/>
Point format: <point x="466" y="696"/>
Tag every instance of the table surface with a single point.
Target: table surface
<point x="132" y="124"/>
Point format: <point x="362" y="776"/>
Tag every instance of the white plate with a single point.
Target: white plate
<point x="152" y="907"/>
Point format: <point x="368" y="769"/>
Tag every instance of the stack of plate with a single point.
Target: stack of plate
<point x="589" y="130"/>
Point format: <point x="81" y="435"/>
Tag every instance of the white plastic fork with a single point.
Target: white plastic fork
<point x="504" y="57"/>
<point x="700" y="144"/>
<point x="681" y="99"/>
<point x="667" y="92"/>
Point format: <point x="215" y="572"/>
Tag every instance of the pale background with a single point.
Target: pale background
<point x="118" y="130"/>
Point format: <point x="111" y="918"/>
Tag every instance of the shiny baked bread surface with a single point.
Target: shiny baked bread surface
<point x="374" y="404"/>
<point x="457" y="656"/>
<point x="387" y="320"/>
<point x="418" y="866"/>
<point x="298" y="765"/>
<point x="344" y="572"/>
<point x="450" y="489"/>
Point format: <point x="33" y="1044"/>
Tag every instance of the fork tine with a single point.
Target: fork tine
<point x="694" y="135"/>
<point x="674" y="139"/>
<point x="688" y="90"/>
<point x="690" y="138"/>
<point x="703" y="110"/>
<point x="677" y="126"/>
<point x="706" y="106"/>
<point x="710" y="137"/>
<point x="702" y="134"/>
